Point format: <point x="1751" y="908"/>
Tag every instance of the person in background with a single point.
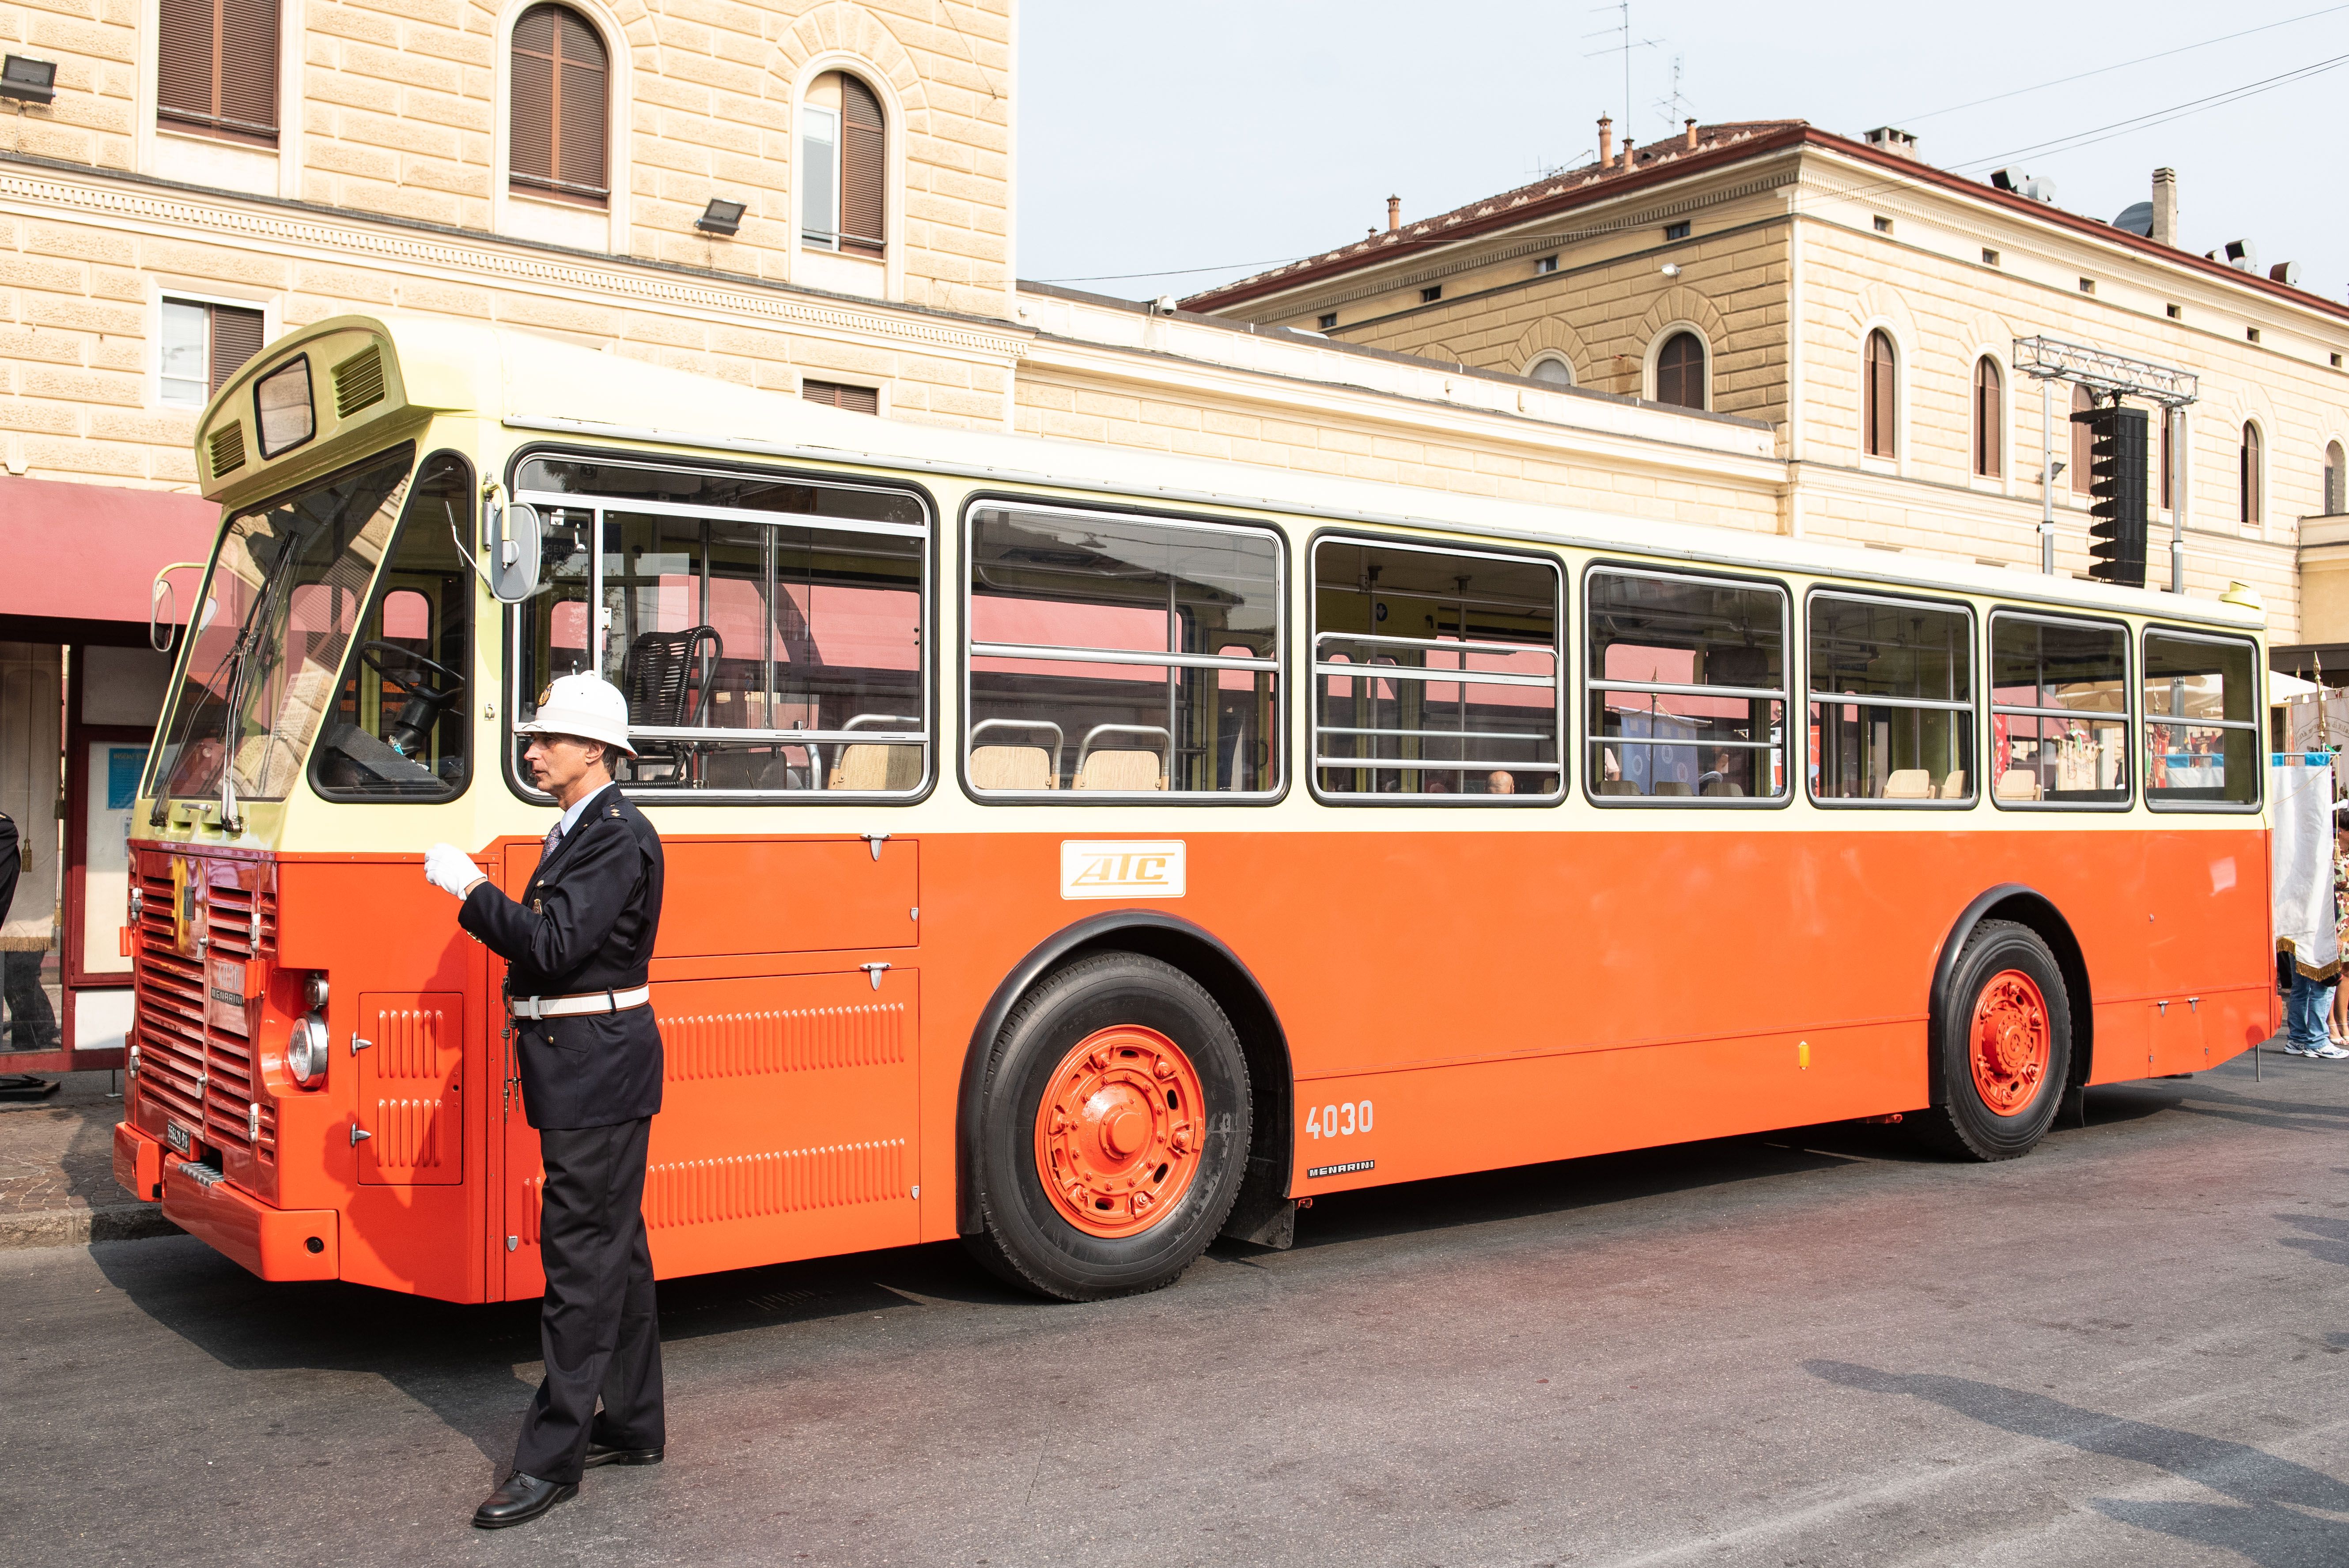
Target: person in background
<point x="2339" y="1022"/>
<point x="2309" y="1015"/>
<point x="1500" y="782"/>
<point x="31" y="1025"/>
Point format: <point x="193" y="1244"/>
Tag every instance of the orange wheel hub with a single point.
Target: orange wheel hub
<point x="1119" y="1133"/>
<point x="2011" y="1043"/>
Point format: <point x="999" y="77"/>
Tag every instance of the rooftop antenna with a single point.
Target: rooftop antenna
<point x="1674" y="104"/>
<point x="1622" y="31"/>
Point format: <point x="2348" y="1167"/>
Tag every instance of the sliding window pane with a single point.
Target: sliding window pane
<point x="2059" y="712"/>
<point x="1687" y="688"/>
<point x="2202" y="730"/>
<point x="1914" y="741"/>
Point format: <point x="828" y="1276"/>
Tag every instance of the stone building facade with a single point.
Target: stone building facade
<point x="1782" y="251"/>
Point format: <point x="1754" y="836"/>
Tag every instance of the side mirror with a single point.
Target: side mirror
<point x="513" y="551"/>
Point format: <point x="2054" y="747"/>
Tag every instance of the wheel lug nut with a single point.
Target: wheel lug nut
<point x="1142" y="1203"/>
<point x="1163" y="1068"/>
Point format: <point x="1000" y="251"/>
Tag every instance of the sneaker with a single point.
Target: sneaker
<point x="2295" y="1048"/>
<point x="2330" y="1052"/>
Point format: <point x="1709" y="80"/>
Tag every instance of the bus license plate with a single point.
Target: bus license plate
<point x="178" y="1137"/>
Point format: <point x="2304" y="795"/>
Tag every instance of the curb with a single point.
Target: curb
<point x="78" y="1227"/>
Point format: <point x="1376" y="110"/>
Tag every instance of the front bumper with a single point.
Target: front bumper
<point x="275" y="1243"/>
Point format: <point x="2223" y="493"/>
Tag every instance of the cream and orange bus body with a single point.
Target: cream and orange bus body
<point x="1085" y="851"/>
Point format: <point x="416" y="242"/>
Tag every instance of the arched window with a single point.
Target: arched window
<point x="2247" y="474"/>
<point x="2167" y="465"/>
<point x="2084" y="440"/>
<point x="1680" y="371"/>
<point x="2334" y="502"/>
<point x="1878" y="416"/>
<point x="216" y="68"/>
<point x="844" y="165"/>
<point x="1990" y="418"/>
<point x="1551" y="371"/>
<point x="561" y="106"/>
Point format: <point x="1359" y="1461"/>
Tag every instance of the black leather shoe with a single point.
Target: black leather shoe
<point x="519" y="1500"/>
<point x="600" y="1454"/>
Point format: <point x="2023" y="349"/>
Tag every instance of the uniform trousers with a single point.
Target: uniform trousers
<point x="599" y="1325"/>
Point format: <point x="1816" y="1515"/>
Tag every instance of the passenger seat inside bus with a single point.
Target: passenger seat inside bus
<point x="1012" y="768"/>
<point x="1120" y="770"/>
<point x="1909" y="784"/>
<point x="2018" y="784"/>
<point x="877" y="767"/>
<point x="1954" y="787"/>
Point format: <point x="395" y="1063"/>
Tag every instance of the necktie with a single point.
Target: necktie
<point x="553" y="836"/>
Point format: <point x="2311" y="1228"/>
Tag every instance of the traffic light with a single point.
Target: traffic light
<point x="2117" y="479"/>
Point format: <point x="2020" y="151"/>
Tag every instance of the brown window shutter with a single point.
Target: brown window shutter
<point x="1881" y="419"/>
<point x="839" y="395"/>
<point x="864" y="171"/>
<point x="236" y="338"/>
<point x="248" y="66"/>
<point x="581" y="104"/>
<point x="183" y="60"/>
<point x="531" y="132"/>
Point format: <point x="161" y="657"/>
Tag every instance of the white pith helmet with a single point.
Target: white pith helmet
<point x="588" y="707"/>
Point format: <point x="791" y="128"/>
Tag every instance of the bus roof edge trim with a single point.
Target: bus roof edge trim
<point x="2042" y="590"/>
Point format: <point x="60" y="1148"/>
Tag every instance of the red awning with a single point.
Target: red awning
<point x="89" y="551"/>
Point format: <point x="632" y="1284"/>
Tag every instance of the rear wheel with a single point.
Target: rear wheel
<point x="2004" y="1045"/>
<point x="1113" y="1131"/>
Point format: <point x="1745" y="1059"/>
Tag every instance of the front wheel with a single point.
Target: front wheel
<point x="2004" y="1045"/>
<point x="1113" y="1131"/>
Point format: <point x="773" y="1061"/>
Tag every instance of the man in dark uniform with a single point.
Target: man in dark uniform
<point x="578" y="945"/>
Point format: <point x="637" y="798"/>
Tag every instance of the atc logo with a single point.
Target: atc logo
<point x="1152" y="868"/>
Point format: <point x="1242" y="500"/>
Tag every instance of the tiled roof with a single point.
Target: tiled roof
<point x="1387" y="243"/>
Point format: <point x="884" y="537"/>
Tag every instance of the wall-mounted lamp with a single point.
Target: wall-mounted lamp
<point x="720" y="217"/>
<point x="28" y="79"/>
<point x="1670" y="269"/>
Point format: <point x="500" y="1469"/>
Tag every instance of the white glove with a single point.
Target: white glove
<point x="450" y="870"/>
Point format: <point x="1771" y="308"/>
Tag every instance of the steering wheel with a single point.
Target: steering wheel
<point x="420" y="714"/>
<point x="416" y="689"/>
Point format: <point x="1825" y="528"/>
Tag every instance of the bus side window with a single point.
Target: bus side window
<point x="399" y="727"/>
<point x="1687" y="677"/>
<point x="2201" y="724"/>
<point x="1463" y="701"/>
<point x="1891" y="701"/>
<point x="2059" y="711"/>
<point x="1121" y="655"/>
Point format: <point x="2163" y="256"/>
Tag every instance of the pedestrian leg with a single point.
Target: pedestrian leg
<point x="584" y="1242"/>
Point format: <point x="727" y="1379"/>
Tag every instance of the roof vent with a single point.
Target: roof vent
<point x="2286" y="274"/>
<point x="228" y="448"/>
<point x="2240" y="254"/>
<point x="2036" y="187"/>
<point x="359" y="381"/>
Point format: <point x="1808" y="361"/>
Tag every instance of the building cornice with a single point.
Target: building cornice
<point x="40" y="188"/>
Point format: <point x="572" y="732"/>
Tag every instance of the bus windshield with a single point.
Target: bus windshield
<point x="277" y="614"/>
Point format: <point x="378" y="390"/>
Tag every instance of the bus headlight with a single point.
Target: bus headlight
<point x="305" y="1053"/>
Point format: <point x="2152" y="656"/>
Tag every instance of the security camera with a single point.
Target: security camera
<point x="1164" y="304"/>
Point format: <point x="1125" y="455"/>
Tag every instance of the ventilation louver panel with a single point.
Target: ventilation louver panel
<point x="359" y="381"/>
<point x="228" y="449"/>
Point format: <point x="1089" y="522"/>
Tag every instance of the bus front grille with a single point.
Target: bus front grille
<point x="194" y="1036"/>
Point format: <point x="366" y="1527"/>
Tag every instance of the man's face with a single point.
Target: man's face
<point x="559" y="761"/>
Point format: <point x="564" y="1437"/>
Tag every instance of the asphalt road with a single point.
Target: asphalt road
<point x="1808" y="1348"/>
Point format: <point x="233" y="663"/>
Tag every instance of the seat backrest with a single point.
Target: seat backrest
<point x="658" y="675"/>
<point x="1909" y="784"/>
<point x="1954" y="787"/>
<point x="1724" y="787"/>
<point x="1674" y="787"/>
<point x="2018" y="784"/>
<point x="1011" y="768"/>
<point x="1618" y="787"/>
<point x="878" y="768"/>
<point x="1120" y="770"/>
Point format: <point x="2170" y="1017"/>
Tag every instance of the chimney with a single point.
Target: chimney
<point x="1627" y="152"/>
<point x="1690" y="126"/>
<point x="1606" y="141"/>
<point x="1394" y="213"/>
<point x="2165" y="207"/>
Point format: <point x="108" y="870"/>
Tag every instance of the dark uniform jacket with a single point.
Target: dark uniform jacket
<point x="585" y="923"/>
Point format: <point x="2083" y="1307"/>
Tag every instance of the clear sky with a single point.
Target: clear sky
<point x="1227" y="135"/>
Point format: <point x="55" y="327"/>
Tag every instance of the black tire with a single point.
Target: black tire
<point x="1027" y="1241"/>
<point x="1965" y="1124"/>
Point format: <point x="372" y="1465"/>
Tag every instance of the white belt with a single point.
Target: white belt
<point x="576" y="1006"/>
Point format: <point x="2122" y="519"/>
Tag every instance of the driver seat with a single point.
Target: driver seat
<point x="667" y="677"/>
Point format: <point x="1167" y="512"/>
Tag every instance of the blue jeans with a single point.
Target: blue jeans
<point x="2306" y="1014"/>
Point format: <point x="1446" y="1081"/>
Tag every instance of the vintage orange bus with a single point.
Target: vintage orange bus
<point x="1086" y="852"/>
